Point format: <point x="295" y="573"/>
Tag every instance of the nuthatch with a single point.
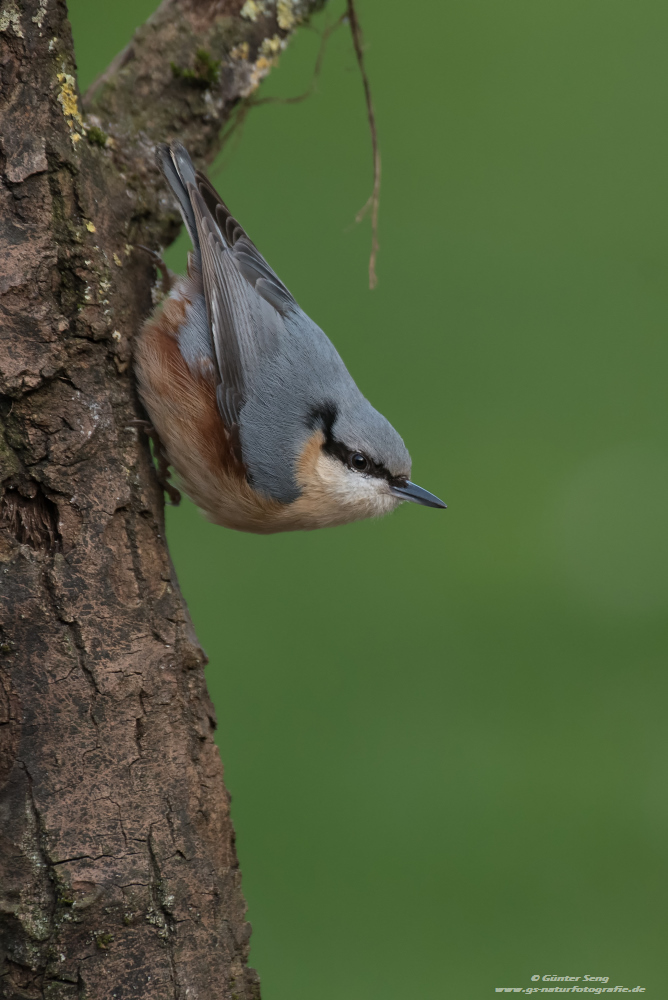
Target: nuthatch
<point x="255" y="408"/>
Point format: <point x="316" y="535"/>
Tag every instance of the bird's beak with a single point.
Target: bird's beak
<point x="409" y="491"/>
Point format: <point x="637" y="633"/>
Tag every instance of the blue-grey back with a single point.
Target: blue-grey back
<point x="290" y="386"/>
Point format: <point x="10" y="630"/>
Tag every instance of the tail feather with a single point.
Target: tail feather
<point x="179" y="172"/>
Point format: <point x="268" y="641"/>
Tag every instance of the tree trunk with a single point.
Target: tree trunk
<point x="118" y="873"/>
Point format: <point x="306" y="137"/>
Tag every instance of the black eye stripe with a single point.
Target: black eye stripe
<point x="346" y="456"/>
<point x="324" y="417"/>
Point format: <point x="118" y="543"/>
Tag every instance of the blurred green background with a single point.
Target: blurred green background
<point x="445" y="732"/>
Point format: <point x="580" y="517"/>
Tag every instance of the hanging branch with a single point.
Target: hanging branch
<point x="374" y="199"/>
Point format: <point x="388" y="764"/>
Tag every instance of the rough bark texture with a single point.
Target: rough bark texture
<point x="118" y="874"/>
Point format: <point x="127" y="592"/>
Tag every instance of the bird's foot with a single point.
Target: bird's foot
<point x="162" y="470"/>
<point x="167" y="276"/>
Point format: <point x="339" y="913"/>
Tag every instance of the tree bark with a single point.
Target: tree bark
<point x="118" y="872"/>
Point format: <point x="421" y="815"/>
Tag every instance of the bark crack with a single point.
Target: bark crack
<point x="161" y="911"/>
<point x="170" y="823"/>
<point x="74" y="628"/>
<point x="40" y="922"/>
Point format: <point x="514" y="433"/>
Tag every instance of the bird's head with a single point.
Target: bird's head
<point x="354" y="465"/>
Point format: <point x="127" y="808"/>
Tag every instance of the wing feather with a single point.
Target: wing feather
<point x="243" y="250"/>
<point x="246" y="301"/>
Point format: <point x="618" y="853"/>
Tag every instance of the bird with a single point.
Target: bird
<point x="252" y="404"/>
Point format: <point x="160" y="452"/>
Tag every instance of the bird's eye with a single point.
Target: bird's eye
<point x="358" y="462"/>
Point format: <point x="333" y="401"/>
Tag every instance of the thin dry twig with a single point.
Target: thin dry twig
<point x="374" y="200"/>
<point x="254" y="102"/>
<point x="324" y="38"/>
<point x="234" y="128"/>
<point x="373" y="203"/>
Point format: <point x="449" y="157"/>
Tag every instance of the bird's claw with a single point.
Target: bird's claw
<point x="167" y="276"/>
<point x="162" y="471"/>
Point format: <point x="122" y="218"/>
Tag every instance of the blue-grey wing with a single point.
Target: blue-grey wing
<point x="246" y="301"/>
<point x="230" y="313"/>
<point x="248" y="259"/>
